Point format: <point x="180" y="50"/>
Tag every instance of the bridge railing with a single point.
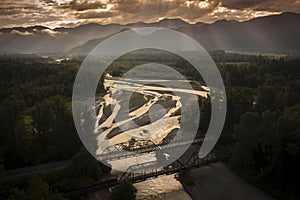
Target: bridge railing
<point x="152" y="169"/>
<point x="140" y="172"/>
<point x="122" y="150"/>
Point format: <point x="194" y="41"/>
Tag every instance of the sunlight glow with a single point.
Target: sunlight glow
<point x="220" y="9"/>
<point x="189" y="3"/>
<point x="108" y="7"/>
<point x="63" y="1"/>
<point x="203" y="4"/>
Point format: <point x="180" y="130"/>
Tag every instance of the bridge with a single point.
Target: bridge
<point x="152" y="170"/>
<point x="132" y="148"/>
<point x="146" y="170"/>
<point x="111" y="153"/>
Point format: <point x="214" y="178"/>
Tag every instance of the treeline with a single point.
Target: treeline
<point x="36" y="117"/>
<point x="263" y="123"/>
<point x="133" y="59"/>
<point x="83" y="169"/>
<point x="37" y="127"/>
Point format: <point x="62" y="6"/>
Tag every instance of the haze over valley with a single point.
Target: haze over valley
<point x="270" y="34"/>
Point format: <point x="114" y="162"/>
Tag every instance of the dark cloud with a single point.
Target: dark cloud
<point x="264" y="5"/>
<point x="9" y="11"/>
<point x="94" y="15"/>
<point x="49" y="1"/>
<point x="18" y="10"/>
<point x="83" y="5"/>
<point x="148" y="7"/>
<point x="240" y="4"/>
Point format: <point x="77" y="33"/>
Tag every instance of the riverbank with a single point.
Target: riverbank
<point x="216" y="181"/>
<point x="213" y="182"/>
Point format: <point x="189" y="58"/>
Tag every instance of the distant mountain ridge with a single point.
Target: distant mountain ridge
<point x="270" y="34"/>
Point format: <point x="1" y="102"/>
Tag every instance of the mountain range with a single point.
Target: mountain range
<point x="270" y="34"/>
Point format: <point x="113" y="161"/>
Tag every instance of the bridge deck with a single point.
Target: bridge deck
<point x="151" y="170"/>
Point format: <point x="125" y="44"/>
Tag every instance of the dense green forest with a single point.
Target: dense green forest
<point x="36" y="115"/>
<point x="37" y="127"/>
<point x="262" y="124"/>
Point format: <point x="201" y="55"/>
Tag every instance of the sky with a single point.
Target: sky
<point x="69" y="13"/>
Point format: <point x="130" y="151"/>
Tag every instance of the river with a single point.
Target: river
<point x="163" y="119"/>
<point x="155" y="123"/>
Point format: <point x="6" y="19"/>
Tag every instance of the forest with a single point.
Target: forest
<point x="261" y="128"/>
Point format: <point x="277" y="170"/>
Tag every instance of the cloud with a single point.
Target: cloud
<point x="56" y="12"/>
<point x="83" y="5"/>
<point x="25" y="33"/>
<point x="147" y="7"/>
<point x="193" y="10"/>
<point x="264" y="5"/>
<point x="37" y="32"/>
<point x="69" y="24"/>
<point x="94" y="15"/>
<point x="50" y="32"/>
<point x="240" y="4"/>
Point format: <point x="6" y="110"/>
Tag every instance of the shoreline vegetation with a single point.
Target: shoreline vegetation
<point x="261" y="128"/>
